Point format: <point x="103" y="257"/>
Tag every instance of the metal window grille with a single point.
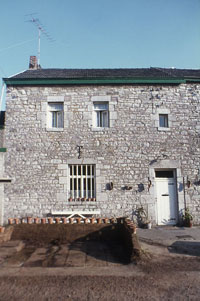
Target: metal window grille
<point x="163" y="120"/>
<point x="82" y="181"/>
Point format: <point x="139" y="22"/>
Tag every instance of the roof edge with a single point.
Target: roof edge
<point x="96" y="81"/>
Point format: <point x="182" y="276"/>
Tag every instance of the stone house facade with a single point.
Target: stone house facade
<point x="112" y="140"/>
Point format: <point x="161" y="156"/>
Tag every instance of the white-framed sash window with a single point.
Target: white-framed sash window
<point x="101" y="114"/>
<point x="55" y="115"/>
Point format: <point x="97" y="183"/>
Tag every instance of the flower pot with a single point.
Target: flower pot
<point x="16" y="221"/>
<point x="2" y="229"/>
<point x="36" y="220"/>
<point x="57" y="219"/>
<point x="29" y="220"/>
<point x="148" y="225"/>
<point x="98" y="220"/>
<point x="64" y="220"/>
<point x="43" y="220"/>
<point x="10" y="221"/>
<point x="92" y="220"/>
<point x="188" y="223"/>
<point x="50" y="220"/>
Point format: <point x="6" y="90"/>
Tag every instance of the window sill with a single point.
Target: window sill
<point x="54" y="129"/>
<point x="100" y="129"/>
<point x="163" y="129"/>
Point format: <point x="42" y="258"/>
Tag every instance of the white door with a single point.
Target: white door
<point x="166" y="201"/>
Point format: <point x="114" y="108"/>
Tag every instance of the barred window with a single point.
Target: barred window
<point x="82" y="181"/>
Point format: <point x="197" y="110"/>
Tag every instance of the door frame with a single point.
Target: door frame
<point x="163" y="179"/>
<point x="166" y="164"/>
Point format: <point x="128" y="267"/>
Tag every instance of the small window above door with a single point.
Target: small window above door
<point x="164" y="173"/>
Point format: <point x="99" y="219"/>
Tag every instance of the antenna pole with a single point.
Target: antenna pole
<point x="39" y="34"/>
<point x="41" y="29"/>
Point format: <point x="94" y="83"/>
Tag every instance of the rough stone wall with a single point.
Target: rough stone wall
<point x="37" y="158"/>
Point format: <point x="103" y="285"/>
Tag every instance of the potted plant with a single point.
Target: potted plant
<point x="143" y="220"/>
<point x="187" y="218"/>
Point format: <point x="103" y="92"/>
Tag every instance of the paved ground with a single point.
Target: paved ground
<point x="180" y="240"/>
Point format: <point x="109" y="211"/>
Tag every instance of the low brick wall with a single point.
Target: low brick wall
<point x="66" y="233"/>
<point x="63" y="220"/>
<point x="130" y="240"/>
<point x="6" y="233"/>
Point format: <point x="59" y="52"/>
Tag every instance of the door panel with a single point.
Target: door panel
<point x="166" y="201"/>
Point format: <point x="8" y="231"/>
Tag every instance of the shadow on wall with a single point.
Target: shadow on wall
<point x="2" y="118"/>
<point x="191" y="248"/>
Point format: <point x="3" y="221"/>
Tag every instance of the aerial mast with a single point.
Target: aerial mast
<point x="41" y="29"/>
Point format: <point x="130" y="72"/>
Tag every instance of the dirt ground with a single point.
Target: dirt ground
<point x="95" y="270"/>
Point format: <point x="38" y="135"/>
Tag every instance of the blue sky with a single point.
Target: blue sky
<point x="100" y="34"/>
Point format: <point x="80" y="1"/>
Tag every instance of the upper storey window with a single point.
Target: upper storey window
<point x="163" y="121"/>
<point x="101" y="114"/>
<point x="55" y="115"/>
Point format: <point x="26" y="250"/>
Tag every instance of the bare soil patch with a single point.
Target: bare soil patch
<point x="89" y="269"/>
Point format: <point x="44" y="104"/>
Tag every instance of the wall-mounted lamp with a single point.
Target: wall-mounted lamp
<point x="111" y="185"/>
<point x="128" y="187"/>
<point x="188" y="183"/>
<point x="149" y="183"/>
<point x="79" y="147"/>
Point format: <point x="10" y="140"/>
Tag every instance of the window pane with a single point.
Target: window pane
<point x="104" y="119"/>
<point x="101" y="106"/>
<point x="54" y="119"/>
<point x="59" y="119"/>
<point x="163" y="120"/>
<point x="98" y="116"/>
<point x="55" y="106"/>
<point x="164" y="174"/>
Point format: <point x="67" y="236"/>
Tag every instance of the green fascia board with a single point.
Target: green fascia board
<point x="2" y="149"/>
<point x="195" y="80"/>
<point x="92" y="81"/>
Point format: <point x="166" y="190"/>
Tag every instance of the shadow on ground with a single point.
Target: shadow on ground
<point x="70" y="245"/>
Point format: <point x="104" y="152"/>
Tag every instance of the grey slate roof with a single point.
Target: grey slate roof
<point x="160" y="73"/>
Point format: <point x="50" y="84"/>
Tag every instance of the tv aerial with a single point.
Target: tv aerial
<point x="41" y="30"/>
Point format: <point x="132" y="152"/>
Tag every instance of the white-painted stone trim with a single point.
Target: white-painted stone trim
<point x="156" y="118"/>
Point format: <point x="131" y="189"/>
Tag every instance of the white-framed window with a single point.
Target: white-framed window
<point x="101" y="114"/>
<point x="55" y="115"/>
<point x="163" y="121"/>
<point x="82" y="181"/>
